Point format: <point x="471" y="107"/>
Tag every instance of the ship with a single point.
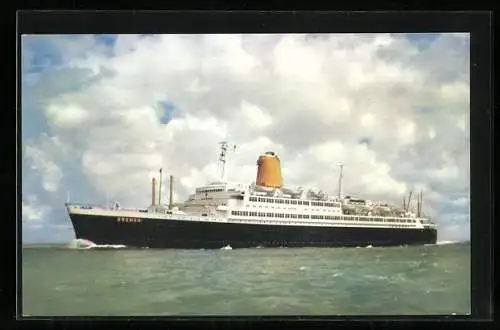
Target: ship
<point x="265" y="213"/>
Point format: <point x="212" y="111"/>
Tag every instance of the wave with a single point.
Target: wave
<point x="446" y="243"/>
<point x="83" y="244"/>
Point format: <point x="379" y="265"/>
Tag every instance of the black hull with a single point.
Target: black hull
<point x="175" y="234"/>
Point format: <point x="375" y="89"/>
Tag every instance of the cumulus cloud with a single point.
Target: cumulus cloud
<point x="41" y="160"/>
<point x="394" y="113"/>
<point x="33" y="213"/>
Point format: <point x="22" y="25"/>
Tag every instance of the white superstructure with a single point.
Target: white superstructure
<point x="232" y="202"/>
<point x="237" y="202"/>
<point x="249" y="204"/>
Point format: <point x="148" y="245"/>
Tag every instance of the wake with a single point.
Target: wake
<point x="445" y="243"/>
<point x="83" y="244"/>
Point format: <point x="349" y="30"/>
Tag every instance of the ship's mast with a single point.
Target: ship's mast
<point x="341" y="166"/>
<point x="409" y="202"/>
<point x="419" y="204"/>
<point x="159" y="189"/>
<point x="222" y="159"/>
<point x="171" y="196"/>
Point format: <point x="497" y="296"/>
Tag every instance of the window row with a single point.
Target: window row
<point x="317" y="217"/>
<point x="324" y="224"/>
<point x="128" y="220"/>
<point x="292" y="201"/>
<point x="269" y="215"/>
<point x="207" y="190"/>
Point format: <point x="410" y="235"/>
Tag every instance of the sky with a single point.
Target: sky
<point x="102" y="113"/>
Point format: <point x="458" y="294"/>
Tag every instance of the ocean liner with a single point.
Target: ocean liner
<point x="262" y="214"/>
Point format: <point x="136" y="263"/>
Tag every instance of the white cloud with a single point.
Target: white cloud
<point x="456" y="92"/>
<point x="367" y="120"/>
<point x="41" y="161"/>
<point x="432" y="133"/>
<point x="33" y="213"/>
<point x="448" y="171"/>
<point x="311" y="99"/>
<point x="255" y="117"/>
<point x="406" y="132"/>
<point x="67" y="116"/>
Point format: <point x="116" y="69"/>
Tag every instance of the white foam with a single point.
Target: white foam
<point x="443" y="243"/>
<point x="227" y="247"/>
<point x="447" y="242"/>
<point x="80" y="243"/>
<point x="84" y="244"/>
<point x="108" y="246"/>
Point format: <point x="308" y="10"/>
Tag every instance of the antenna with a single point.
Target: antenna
<point x="222" y="158"/>
<point x="341" y="166"/>
<point x="67" y="197"/>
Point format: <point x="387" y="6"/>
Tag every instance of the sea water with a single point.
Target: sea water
<point x="83" y="280"/>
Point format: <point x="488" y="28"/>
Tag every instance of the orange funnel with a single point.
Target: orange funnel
<point x="269" y="171"/>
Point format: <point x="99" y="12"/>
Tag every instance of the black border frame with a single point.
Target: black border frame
<point x="478" y="24"/>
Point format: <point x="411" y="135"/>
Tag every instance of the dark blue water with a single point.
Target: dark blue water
<point x="59" y="280"/>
